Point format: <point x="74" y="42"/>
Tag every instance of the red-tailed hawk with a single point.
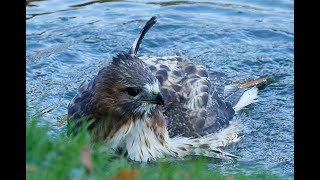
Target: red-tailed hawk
<point x="157" y="107"/>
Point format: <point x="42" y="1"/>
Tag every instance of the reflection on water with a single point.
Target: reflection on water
<point x="70" y="40"/>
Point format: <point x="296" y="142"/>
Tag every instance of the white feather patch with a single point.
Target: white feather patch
<point x="226" y="136"/>
<point x="250" y="96"/>
<point x="142" y="143"/>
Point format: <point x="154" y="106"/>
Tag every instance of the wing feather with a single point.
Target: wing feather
<point x="188" y="88"/>
<point x="78" y="106"/>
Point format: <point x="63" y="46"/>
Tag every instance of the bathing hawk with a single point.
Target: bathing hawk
<point x="158" y="107"/>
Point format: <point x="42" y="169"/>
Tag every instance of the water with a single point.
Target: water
<point x="70" y="40"/>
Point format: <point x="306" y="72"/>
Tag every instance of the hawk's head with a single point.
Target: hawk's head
<point x="127" y="86"/>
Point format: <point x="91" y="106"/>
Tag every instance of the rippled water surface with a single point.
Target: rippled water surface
<point x="70" y="40"/>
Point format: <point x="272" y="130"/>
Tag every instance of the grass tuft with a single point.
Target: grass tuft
<point x="66" y="157"/>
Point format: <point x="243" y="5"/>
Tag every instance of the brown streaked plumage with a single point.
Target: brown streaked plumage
<point x="159" y="107"/>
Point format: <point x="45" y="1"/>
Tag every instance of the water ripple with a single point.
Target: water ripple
<point x="69" y="41"/>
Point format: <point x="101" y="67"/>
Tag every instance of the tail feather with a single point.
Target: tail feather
<point x="135" y="46"/>
<point x="236" y="90"/>
<point x="257" y="82"/>
<point x="250" y="96"/>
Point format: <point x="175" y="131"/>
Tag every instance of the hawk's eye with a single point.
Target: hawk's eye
<point x="133" y="91"/>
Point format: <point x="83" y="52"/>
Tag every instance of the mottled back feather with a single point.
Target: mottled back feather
<point x="194" y="103"/>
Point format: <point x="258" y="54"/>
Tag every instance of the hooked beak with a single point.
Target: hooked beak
<point x="159" y="100"/>
<point x="155" y="99"/>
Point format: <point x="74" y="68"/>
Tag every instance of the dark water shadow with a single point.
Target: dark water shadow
<point x="94" y="2"/>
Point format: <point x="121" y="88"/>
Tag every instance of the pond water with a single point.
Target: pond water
<point x="68" y="41"/>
